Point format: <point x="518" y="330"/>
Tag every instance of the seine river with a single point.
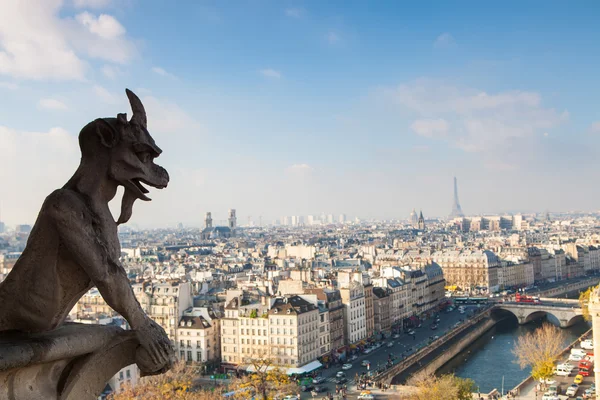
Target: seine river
<point x="490" y="358"/>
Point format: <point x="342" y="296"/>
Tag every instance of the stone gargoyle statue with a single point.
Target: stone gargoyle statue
<point x="74" y="246"/>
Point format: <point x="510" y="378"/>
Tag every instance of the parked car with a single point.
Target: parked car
<point x="572" y="390"/>
<point x="346" y="367"/>
<point x="578" y="379"/>
<point x="575" y="357"/>
<point x="587" y="344"/>
<point x="364" y="363"/>
<point x="291" y="397"/>
<point x="318" y="379"/>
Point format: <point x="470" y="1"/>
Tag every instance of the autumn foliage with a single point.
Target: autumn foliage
<point x="176" y="384"/>
<point x="539" y="350"/>
<point x="445" y="387"/>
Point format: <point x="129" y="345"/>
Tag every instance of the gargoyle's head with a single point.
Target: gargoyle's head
<point x="127" y="152"/>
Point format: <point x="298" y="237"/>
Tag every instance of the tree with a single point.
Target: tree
<point x="176" y="384"/>
<point x="584" y="299"/>
<point x="539" y="350"/>
<point x="266" y="381"/>
<point x="445" y="387"/>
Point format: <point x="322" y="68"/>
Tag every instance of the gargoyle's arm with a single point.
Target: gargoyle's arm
<point x="77" y="235"/>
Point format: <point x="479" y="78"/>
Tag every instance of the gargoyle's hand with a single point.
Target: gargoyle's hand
<point x="156" y="353"/>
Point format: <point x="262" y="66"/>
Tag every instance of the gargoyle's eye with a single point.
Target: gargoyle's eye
<point x="144" y="156"/>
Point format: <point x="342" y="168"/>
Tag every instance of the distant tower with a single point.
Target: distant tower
<point x="421" y="222"/>
<point x="456" y="210"/>
<point x="232" y="220"/>
<point x="208" y="220"/>
<point x="414" y="218"/>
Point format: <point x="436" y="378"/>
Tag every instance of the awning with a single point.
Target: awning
<point x="311" y="366"/>
<point x="269" y="368"/>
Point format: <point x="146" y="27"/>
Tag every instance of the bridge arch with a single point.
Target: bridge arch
<point x="566" y="316"/>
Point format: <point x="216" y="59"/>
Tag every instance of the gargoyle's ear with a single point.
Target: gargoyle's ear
<point x="107" y="133"/>
<point x="122" y="118"/>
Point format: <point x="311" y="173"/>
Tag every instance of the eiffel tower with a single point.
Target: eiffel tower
<point x="456" y="210"/>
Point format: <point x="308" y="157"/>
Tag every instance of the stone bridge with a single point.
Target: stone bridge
<point x="567" y="312"/>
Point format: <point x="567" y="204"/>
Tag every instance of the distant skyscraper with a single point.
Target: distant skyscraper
<point x="330" y="218"/>
<point x="342" y="218"/>
<point x="456" y="210"/>
<point x="208" y="220"/>
<point x="310" y="219"/>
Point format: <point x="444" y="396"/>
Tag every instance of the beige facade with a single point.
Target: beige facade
<point x="369" y="312"/>
<point x="284" y="330"/>
<point x="199" y="335"/>
<point x="469" y="269"/>
<point x="355" y="323"/>
<point x="165" y="303"/>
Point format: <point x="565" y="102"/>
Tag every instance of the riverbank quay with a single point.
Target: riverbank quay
<point x="528" y="389"/>
<point x="563" y="288"/>
<point x="446" y="346"/>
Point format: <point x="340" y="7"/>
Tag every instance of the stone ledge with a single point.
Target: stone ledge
<point x="73" y="362"/>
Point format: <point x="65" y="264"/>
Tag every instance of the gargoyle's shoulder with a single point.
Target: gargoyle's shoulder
<point x="64" y="201"/>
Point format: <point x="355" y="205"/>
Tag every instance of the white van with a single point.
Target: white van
<point x="562" y="370"/>
<point x="579" y="352"/>
<point x="587" y="344"/>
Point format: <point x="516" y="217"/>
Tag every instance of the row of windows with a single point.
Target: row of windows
<point x="198" y="343"/>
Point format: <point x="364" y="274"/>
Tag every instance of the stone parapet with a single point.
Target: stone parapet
<point x="73" y="362"/>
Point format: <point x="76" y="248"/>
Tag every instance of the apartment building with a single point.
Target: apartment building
<point x="355" y="323"/>
<point x="199" y="335"/>
<point x="470" y="270"/>
<point x="165" y="303"/>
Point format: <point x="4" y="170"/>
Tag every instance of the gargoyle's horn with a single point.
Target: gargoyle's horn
<point x="139" y="114"/>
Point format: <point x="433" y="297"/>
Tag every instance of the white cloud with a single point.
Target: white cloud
<point x="9" y="85"/>
<point x="110" y="71"/>
<point x="167" y="117"/>
<point x="445" y="40"/>
<point x="299" y="169"/>
<point x="595" y="126"/>
<point x="476" y="120"/>
<point x="43" y="45"/>
<point x="162" y="72"/>
<point x="51" y="158"/>
<point x="52" y="104"/>
<point x="294" y="12"/>
<point x="106" y="96"/>
<point x="91" y="3"/>
<point x="332" y="38"/>
<point x="270" y="73"/>
<point x="104" y="25"/>
<point x="430" y="127"/>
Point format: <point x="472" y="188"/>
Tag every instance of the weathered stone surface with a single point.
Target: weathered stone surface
<point x="74" y="246"/>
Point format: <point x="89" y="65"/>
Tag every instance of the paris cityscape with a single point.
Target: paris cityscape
<point x="354" y="200"/>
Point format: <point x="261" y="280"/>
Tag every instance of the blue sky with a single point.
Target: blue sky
<point x="288" y="107"/>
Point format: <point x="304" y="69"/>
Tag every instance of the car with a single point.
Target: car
<point x="346" y="367"/>
<point x="340" y="374"/>
<point x="390" y="344"/>
<point x="367" y="351"/>
<point x="434" y="327"/>
<point x="411" y="332"/>
<point x="575" y="357"/>
<point x="436" y="337"/>
<point x="341" y="380"/>
<point x="364" y="363"/>
<point x="366" y="396"/>
<point x="572" y="390"/>
<point x="291" y="397"/>
<point x="319" y="389"/>
<point x="396" y="336"/>
<point x="587" y="344"/>
<point x="578" y="379"/>
<point x="318" y="379"/>
<point x="550" y="396"/>
<point x="354" y="357"/>
<point x="307" y="388"/>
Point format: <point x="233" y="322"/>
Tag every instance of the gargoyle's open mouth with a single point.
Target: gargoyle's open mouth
<point x="136" y="185"/>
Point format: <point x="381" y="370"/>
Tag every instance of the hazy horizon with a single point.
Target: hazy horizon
<point x="303" y="107"/>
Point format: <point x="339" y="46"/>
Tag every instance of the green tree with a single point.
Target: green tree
<point x="539" y="350"/>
